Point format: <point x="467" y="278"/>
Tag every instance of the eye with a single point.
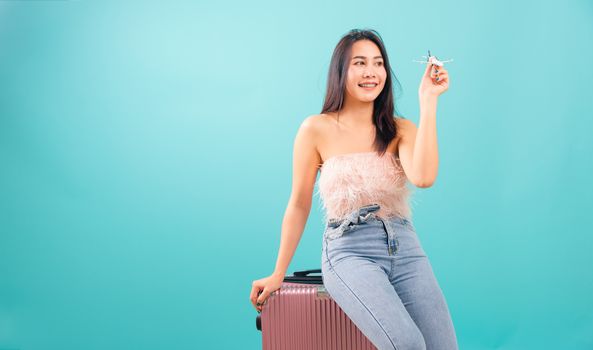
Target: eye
<point x="380" y="63"/>
<point x="358" y="62"/>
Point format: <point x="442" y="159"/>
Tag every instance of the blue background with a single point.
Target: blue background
<point x="146" y="154"/>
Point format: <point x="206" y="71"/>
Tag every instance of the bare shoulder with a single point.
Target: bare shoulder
<point x="317" y="120"/>
<point x="311" y="126"/>
<point x="314" y="125"/>
<point x="312" y="121"/>
<point x="309" y="134"/>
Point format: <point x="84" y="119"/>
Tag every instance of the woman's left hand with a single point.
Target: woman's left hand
<point x="434" y="82"/>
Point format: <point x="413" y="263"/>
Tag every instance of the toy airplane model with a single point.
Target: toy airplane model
<point x="433" y="60"/>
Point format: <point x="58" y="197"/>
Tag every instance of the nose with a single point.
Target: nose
<point x="368" y="73"/>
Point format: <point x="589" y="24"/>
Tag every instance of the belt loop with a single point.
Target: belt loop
<point x="366" y="212"/>
<point x="365" y="217"/>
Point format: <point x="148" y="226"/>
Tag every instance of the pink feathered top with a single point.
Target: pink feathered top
<point x="349" y="181"/>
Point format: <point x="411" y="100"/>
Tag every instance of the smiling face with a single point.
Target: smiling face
<point x="366" y="66"/>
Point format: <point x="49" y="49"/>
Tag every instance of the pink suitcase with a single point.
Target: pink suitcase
<point x="301" y="315"/>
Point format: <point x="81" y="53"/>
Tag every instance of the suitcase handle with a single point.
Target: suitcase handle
<point x="305" y="272"/>
<point x="304" y="277"/>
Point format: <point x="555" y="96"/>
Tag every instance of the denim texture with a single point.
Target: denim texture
<point x="377" y="272"/>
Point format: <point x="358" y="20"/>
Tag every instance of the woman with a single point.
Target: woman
<point x="373" y="264"/>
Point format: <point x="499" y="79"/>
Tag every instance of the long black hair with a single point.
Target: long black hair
<point x="383" y="106"/>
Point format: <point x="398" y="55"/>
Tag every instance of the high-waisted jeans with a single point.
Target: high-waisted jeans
<point x="377" y="272"/>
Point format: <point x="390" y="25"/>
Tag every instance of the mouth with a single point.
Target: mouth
<point x="368" y="86"/>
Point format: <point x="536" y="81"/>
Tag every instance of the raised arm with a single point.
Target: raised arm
<point x="418" y="148"/>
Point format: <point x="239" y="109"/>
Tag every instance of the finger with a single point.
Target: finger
<point x="428" y="69"/>
<point x="258" y="306"/>
<point x="253" y="296"/>
<point x="253" y="292"/>
<point x="435" y="71"/>
<point x="439" y="73"/>
<point x="263" y="296"/>
<point x="442" y="79"/>
<point x="261" y="300"/>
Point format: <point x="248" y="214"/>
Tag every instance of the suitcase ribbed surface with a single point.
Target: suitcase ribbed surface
<point x="301" y="316"/>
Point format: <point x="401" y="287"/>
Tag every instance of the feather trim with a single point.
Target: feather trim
<point x="352" y="180"/>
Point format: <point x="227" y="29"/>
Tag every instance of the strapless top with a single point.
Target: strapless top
<point x="352" y="180"/>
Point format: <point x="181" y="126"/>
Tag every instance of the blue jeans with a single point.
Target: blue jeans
<point x="377" y="272"/>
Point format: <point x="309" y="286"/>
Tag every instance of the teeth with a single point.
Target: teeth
<point x="367" y="85"/>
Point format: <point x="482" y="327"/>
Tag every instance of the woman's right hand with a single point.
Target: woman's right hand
<point x="265" y="286"/>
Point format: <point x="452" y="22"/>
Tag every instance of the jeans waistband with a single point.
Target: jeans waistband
<point x="358" y="216"/>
